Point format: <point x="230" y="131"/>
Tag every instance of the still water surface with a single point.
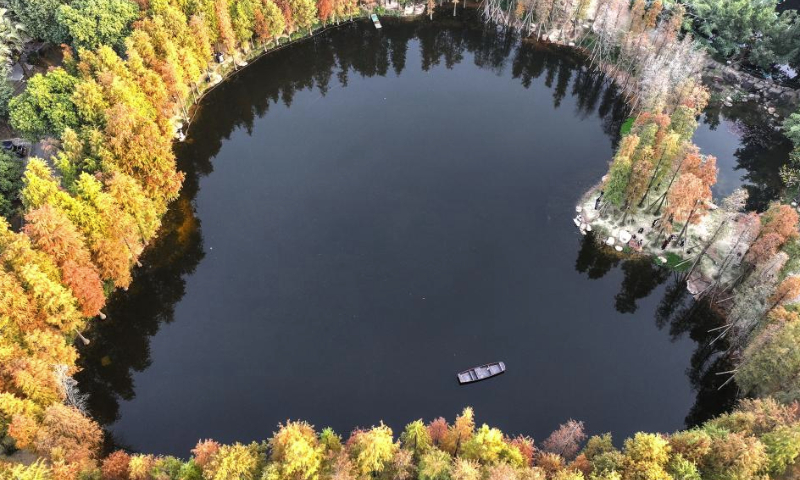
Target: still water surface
<point x="367" y="213"/>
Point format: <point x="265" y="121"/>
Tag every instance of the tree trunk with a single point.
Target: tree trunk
<point x="706" y="247"/>
<point x="663" y="197"/>
<point x="686" y="223"/>
<point x="652" y="180"/>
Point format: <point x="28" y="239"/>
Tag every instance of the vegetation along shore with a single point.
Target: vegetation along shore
<point x="76" y="221"/>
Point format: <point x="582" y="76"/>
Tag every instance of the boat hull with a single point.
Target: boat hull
<point x="483" y="372"/>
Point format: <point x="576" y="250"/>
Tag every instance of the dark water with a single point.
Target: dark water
<point x="749" y="151"/>
<point x="366" y="214"/>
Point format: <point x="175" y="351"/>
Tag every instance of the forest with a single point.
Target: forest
<point x="77" y="223"/>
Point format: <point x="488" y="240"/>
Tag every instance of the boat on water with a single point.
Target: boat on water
<point x="476" y="374"/>
<point x="375" y="20"/>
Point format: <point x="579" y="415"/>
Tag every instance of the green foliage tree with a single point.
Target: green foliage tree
<point x="435" y="465"/>
<point x="791" y="128"/>
<point x="243" y="19"/>
<point x="39" y="18"/>
<point x="416" y="438"/>
<point x="734" y="456"/>
<point x="681" y="469"/>
<point x="269" y="21"/>
<point x="749" y="30"/>
<point x="91" y="23"/>
<point x="489" y="446"/>
<point x="13" y="36"/>
<point x="782" y="446"/>
<point x="46" y="106"/>
<point x="304" y="13"/>
<point x="10" y="183"/>
<point x="790" y="172"/>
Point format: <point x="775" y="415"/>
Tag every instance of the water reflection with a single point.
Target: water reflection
<point x="677" y="312"/>
<point x="749" y="151"/>
<point x="121" y="345"/>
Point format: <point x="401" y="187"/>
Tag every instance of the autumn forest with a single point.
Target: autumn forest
<point x="95" y="210"/>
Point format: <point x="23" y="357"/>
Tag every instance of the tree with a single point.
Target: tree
<point x="235" y="462"/>
<point x="242" y="19"/>
<point x="53" y="233"/>
<point x="437" y="429"/>
<point x="13" y="37"/>
<point x="10" y="183"/>
<point x="464" y="469"/>
<point x="771" y="362"/>
<point x="296" y="452"/>
<point x="680" y="468"/>
<point x="205" y="451"/>
<point x="141" y="150"/>
<point x="790" y="173"/>
<point x="735" y="28"/>
<point x="734" y="456"/>
<point x="782" y="446"/>
<point x="778" y="226"/>
<point x="67" y="435"/>
<point x="304" y="13"/>
<point x="525" y="447"/>
<point x="46" y="106"/>
<point x="791" y="128"/>
<point x="646" y="457"/>
<point x="566" y="440"/>
<point x="115" y="466"/>
<point x="6" y="89"/>
<point x="781" y="220"/>
<point x="225" y="32"/>
<point x="371" y="450"/>
<point x="140" y="467"/>
<point x="416" y="438"/>
<point x="692" y="445"/>
<point x="324" y="10"/>
<point x="91" y="23"/>
<point x="435" y="465"/>
<point x="39" y="18"/>
<point x="269" y="22"/>
<point x="787" y="292"/>
<point x="460" y="433"/>
<point x="619" y="173"/>
<point x="488" y="446"/>
<point x="598" y="445"/>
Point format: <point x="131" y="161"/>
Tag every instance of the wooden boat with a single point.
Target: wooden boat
<point x="375" y="20"/>
<point x="483" y="372"/>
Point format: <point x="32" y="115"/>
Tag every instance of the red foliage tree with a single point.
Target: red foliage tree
<point x="115" y="466"/>
<point x="204" y="452"/>
<point x="438" y="429"/>
<point x="85" y="283"/>
<point x="525" y="446"/>
<point x="324" y="9"/>
<point x="566" y="440"/>
<point x="781" y="219"/>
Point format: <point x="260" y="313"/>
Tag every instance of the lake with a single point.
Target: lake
<point x="367" y="213"/>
